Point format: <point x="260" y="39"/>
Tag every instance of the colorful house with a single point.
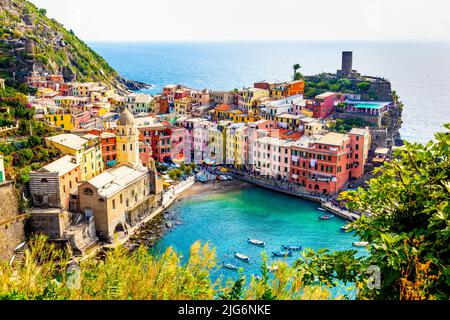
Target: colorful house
<point x="249" y="98"/>
<point x="287" y="89"/>
<point x="62" y="120"/>
<point x="51" y="185"/>
<point x="183" y="106"/>
<point x="237" y="145"/>
<point x="200" y="139"/>
<point x="271" y="157"/>
<point x="86" y="150"/>
<point x="216" y="148"/>
<point x="325" y="103"/>
<point x="324" y="164"/>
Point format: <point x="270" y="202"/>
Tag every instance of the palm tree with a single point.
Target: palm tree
<point x="297" y="75"/>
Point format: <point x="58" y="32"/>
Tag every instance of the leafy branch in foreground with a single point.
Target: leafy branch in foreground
<point x="121" y="275"/>
<point x="408" y="224"/>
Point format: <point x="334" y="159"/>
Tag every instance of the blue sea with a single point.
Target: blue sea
<point x="419" y="71"/>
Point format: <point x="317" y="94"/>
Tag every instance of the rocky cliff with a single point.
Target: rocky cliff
<point x="30" y="40"/>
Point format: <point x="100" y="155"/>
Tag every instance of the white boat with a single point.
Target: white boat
<point x="257" y="242"/>
<point x="360" y="243"/>
<point x="321" y="209"/>
<point x="272" y="268"/>
<point x="241" y="256"/>
<point x="229" y="266"/>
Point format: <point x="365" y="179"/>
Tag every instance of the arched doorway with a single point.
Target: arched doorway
<point x="119" y="228"/>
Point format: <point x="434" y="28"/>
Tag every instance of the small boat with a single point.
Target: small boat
<point x="326" y="217"/>
<point x="256" y="242"/>
<point x="345" y="228"/>
<point x="272" y="268"/>
<point x="282" y="253"/>
<point x="229" y="266"/>
<point x="221" y="177"/>
<point x="360" y="243"/>
<point x="321" y="209"/>
<point x="291" y="247"/>
<point x="169" y="224"/>
<point x="241" y="256"/>
<point x="201" y="178"/>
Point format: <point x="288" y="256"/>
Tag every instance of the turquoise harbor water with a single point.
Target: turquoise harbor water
<point x="226" y="220"/>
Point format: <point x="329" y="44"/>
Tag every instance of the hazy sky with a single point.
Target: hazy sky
<point x="165" y="20"/>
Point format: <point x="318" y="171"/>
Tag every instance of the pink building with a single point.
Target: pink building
<point x="324" y="104"/>
<point x="201" y="97"/>
<point x="177" y="142"/>
<point x="271" y="158"/>
<point x="145" y="152"/>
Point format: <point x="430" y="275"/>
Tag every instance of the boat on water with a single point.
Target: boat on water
<point x="326" y="217"/>
<point x="241" y="256"/>
<point x="287" y="253"/>
<point x="229" y="266"/>
<point x="201" y="178"/>
<point x="345" y="228"/>
<point x="360" y="243"/>
<point x="272" y="268"/>
<point x="321" y="209"/>
<point x="291" y="247"/>
<point x="256" y="242"/>
<point x="222" y="177"/>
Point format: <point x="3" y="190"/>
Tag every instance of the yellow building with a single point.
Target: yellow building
<point x="83" y="89"/>
<point x="127" y="139"/>
<point x="313" y="126"/>
<point x="249" y="98"/>
<point x="236" y="145"/>
<point x="183" y="106"/>
<point x="289" y="121"/>
<point x="217" y="137"/>
<point x="245" y="118"/>
<point x="45" y="92"/>
<point x="62" y="120"/>
<point x="86" y="150"/>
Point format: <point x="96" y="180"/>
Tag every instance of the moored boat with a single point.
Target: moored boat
<point x="272" y="268"/>
<point x="282" y="253"/>
<point x="326" y="217"/>
<point x="360" y="243"/>
<point x="257" y="242"/>
<point x="291" y="247"/>
<point x="229" y="266"/>
<point x="321" y="209"/>
<point x="241" y="256"/>
<point x="345" y="228"/>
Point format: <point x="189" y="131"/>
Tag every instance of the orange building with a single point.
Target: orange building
<point x="324" y="164"/>
<point x="287" y="89"/>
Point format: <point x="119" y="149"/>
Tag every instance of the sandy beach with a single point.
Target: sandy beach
<point x="214" y="187"/>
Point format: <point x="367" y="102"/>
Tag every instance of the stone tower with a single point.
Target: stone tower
<point x="347" y="60"/>
<point x="127" y="140"/>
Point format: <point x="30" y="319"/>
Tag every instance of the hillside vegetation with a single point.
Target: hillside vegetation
<point x="28" y="38"/>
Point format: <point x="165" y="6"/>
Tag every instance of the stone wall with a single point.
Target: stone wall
<point x="375" y="120"/>
<point x="11" y="222"/>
